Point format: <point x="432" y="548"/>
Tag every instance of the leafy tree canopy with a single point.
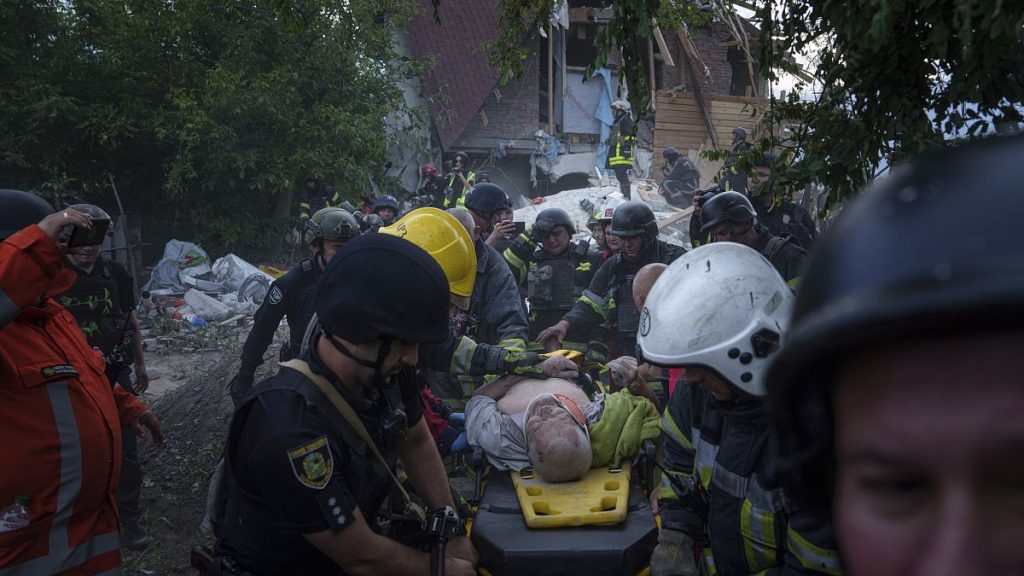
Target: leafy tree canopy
<point x="206" y="114"/>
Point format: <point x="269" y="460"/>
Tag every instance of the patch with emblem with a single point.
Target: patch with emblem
<point x="312" y="463"/>
<point x="276" y="295"/>
<point x="59" y="370"/>
<point x="645" y="322"/>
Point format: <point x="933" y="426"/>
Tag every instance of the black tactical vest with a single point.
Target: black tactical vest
<point x="249" y="521"/>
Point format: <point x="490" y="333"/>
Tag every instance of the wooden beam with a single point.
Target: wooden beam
<point x="551" y="80"/>
<point x="662" y="45"/>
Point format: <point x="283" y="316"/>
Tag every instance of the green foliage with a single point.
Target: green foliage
<point x="203" y="112"/>
<point x="892" y="78"/>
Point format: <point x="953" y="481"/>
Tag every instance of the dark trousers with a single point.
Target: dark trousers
<point x="622" y="174"/>
<point x="129" y="488"/>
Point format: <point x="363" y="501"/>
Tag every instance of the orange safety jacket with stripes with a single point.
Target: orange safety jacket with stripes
<point x="60" y="422"/>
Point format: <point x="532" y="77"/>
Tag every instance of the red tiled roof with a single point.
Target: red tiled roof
<point x="460" y="73"/>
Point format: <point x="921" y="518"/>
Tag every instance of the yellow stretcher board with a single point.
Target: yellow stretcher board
<point x="600" y="497"/>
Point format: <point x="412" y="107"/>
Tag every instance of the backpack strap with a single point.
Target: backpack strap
<point x="345" y="409"/>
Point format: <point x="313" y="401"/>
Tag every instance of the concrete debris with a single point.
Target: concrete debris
<point x="582" y="203"/>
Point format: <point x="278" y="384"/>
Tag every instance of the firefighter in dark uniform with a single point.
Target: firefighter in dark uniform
<point x="102" y="300"/>
<point x="555" y="271"/>
<point x="292" y="295"/>
<point x="620" y="145"/>
<point x="729" y="217"/>
<point x="681" y="178"/>
<point x="610" y="294"/>
<point x="720" y="313"/>
<point x="304" y="481"/>
<point x="315" y="197"/>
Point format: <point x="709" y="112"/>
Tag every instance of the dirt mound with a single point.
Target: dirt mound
<point x="195" y="419"/>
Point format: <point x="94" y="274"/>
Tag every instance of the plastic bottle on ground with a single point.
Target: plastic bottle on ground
<point x="14" y="516"/>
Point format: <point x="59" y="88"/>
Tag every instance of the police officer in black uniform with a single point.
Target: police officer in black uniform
<point x="102" y="300"/>
<point x="303" y="485"/>
<point x="555" y="271"/>
<point x="729" y="217"/>
<point x="292" y="295"/>
<point x="610" y="294"/>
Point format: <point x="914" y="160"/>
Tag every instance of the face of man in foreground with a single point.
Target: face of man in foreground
<point x="930" y="450"/>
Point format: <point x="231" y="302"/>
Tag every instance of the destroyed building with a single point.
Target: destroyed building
<point x="541" y="133"/>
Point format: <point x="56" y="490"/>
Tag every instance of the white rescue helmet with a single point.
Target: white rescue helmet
<point x="621" y="105"/>
<point x="721" y="306"/>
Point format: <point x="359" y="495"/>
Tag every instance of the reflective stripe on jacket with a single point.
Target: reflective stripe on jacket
<point x="60" y="422"/>
<point x="725" y="498"/>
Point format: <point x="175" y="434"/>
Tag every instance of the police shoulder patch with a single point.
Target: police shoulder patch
<point x="312" y="463"/>
<point x="276" y="295"/>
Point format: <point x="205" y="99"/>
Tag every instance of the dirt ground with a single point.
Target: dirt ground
<point x="191" y="400"/>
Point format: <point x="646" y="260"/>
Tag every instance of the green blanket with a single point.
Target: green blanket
<point x="626" y="422"/>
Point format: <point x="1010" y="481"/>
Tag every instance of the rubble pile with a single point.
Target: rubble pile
<point x="190" y="304"/>
<point x="582" y="203"/>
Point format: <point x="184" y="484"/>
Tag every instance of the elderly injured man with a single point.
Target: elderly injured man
<point x="552" y="426"/>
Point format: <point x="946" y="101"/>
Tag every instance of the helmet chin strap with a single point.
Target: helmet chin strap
<point x="382" y="353"/>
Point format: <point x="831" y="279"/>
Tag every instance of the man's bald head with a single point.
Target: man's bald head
<point x="644" y="281"/>
<point x="467" y="221"/>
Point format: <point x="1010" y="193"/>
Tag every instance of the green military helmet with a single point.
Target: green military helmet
<point x="331" y="224"/>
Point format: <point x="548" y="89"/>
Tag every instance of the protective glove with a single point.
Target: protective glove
<point x="674" y="555"/>
<point x="241" y="384"/>
<point x="623" y="371"/>
<point x="559" y="367"/>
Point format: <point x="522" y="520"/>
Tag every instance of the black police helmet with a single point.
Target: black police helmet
<point x="670" y="153"/>
<point x="20" y="209"/>
<point x="548" y="219"/>
<point x="891" y="269"/>
<point x="381" y="286"/>
<point x="731" y="206"/>
<point x="486" y="198"/>
<point x="385" y="201"/>
<point x="634" y="219"/>
<point x="463" y="155"/>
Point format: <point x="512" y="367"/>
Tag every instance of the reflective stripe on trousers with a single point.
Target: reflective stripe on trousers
<point x="61" y="556"/>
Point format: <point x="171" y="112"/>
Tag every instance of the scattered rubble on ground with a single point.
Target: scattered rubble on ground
<point x="191" y="306"/>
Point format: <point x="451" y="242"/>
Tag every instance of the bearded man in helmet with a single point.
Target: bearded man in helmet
<point x="610" y="294"/>
<point x="291" y="295"/>
<point x="620" y="145"/>
<point x="311" y="452"/>
<point x="720" y="313"/>
<point x="897" y="398"/>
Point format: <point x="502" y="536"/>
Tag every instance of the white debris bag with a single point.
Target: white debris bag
<point x="231" y="271"/>
<point x="207" y="308"/>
